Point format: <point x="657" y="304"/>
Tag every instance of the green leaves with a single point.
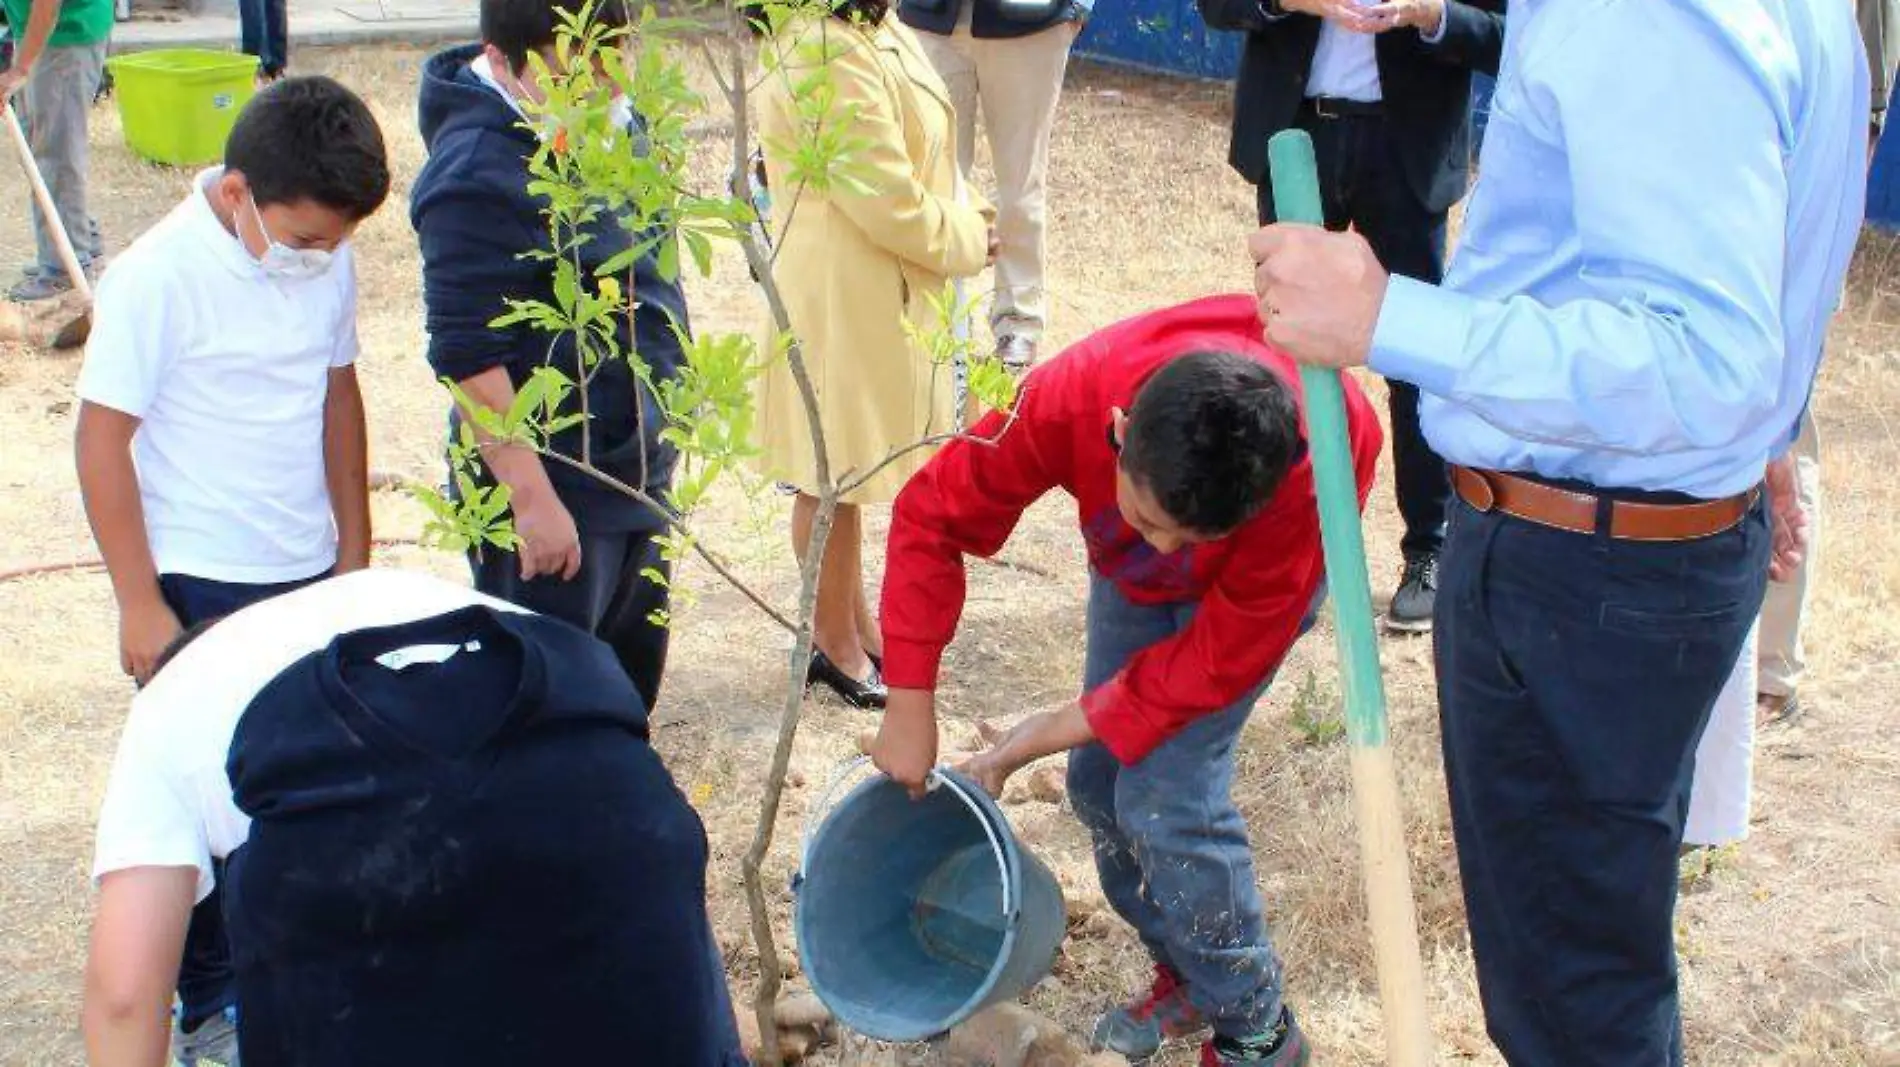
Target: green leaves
<point x="476" y="515"/>
<point x="944" y="344"/>
<point x="590" y="173"/>
<point x="710" y="412"/>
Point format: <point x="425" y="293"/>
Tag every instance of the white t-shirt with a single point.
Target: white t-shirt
<point x="228" y="370"/>
<point x="169" y="800"/>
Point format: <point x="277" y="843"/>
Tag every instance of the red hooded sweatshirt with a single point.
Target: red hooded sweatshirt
<point x="1254" y="586"/>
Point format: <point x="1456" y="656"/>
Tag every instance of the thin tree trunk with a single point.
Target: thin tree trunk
<point x="771" y="970"/>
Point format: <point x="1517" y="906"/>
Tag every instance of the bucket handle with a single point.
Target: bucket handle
<point x="851" y="766"/>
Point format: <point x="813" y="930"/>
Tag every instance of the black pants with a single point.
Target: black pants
<point x="1362" y="184"/>
<point x="612" y="598"/>
<point x="1575" y="676"/>
<point x="206" y="985"/>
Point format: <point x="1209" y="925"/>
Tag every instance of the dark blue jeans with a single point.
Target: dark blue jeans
<point x="1575" y="676"/>
<point x="1170" y="847"/>
<point x="205" y="982"/>
<point x="264" y="32"/>
<point x="612" y="598"/>
<point x="1362" y="183"/>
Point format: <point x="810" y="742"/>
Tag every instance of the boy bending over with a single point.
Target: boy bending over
<point x="446" y="841"/>
<point x="1178" y="433"/>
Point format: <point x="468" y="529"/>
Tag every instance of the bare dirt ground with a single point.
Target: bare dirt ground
<point x="1791" y="946"/>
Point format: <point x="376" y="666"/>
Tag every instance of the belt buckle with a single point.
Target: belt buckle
<point x="1324" y="109"/>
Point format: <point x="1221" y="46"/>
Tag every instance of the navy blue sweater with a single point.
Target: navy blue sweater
<point x="475" y="217"/>
<point x="473" y="863"/>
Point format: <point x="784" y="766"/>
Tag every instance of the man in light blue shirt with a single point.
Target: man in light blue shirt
<point x="1670" y="194"/>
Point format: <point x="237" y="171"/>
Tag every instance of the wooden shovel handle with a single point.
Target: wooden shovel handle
<point x="44" y="197"/>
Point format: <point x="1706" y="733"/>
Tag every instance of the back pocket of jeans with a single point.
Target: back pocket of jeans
<point x="1652" y="623"/>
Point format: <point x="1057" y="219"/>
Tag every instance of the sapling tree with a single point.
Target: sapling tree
<point x="589" y="167"/>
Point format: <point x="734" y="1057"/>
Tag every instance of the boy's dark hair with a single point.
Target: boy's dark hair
<point x="1211" y="435"/>
<point x="185" y="638"/>
<point x="519" y="27"/>
<point x="311" y="139"/>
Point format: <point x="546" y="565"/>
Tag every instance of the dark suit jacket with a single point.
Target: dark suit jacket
<point x="990" y="18"/>
<point x="1427" y="87"/>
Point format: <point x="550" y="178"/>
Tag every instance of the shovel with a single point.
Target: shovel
<point x="74" y="333"/>
<point x="1384" y="865"/>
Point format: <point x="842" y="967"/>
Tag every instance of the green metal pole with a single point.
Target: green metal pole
<point x="1387" y="872"/>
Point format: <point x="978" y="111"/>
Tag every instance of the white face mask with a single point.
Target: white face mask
<point x="285" y="263"/>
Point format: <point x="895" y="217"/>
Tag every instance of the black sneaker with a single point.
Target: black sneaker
<point x="1411" y="610"/>
<point x="1281" y="1046"/>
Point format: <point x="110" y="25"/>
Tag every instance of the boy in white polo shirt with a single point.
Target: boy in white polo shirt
<point x="221" y="441"/>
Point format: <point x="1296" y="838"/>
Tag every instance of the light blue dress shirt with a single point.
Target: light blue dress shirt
<point x="1670" y="192"/>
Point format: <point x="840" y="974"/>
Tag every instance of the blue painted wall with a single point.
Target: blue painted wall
<point x="1168" y="36"/>
<point x="1160" y="35"/>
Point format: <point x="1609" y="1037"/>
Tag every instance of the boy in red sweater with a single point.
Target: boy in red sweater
<point x="1179" y="435"/>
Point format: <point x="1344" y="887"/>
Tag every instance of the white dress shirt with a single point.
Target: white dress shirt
<point x="1346" y="63"/>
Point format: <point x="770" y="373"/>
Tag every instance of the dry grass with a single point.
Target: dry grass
<point x="1791" y="952"/>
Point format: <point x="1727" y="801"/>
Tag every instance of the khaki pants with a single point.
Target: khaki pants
<point x="1782" y="657"/>
<point x="1016" y="81"/>
<point x="54" y="105"/>
<point x="1722" y="792"/>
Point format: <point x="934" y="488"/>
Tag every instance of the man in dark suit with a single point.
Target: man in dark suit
<point x="1384" y="89"/>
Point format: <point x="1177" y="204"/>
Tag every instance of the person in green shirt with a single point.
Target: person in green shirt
<point x="59" y="56"/>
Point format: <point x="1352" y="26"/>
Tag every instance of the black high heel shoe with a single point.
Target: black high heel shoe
<point x="867" y="694"/>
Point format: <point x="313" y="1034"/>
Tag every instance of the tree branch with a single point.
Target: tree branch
<point x="852" y="480"/>
<point x="678" y="525"/>
<point x="791" y="212"/>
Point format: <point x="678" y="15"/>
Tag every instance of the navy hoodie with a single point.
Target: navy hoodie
<point x="474" y="217"/>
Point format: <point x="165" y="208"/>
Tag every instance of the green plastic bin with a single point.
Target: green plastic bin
<point x="178" y="105"/>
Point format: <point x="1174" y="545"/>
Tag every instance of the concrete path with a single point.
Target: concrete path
<point x="313" y="24"/>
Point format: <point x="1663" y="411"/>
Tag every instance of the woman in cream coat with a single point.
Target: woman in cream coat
<point x="855" y="260"/>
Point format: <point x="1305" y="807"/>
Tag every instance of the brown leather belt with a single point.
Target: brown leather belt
<point x="1576" y="512"/>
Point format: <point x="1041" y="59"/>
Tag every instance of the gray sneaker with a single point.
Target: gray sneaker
<point x="1017" y="353"/>
<point x="213" y="1044"/>
<point x="1138" y="1028"/>
<point x="1411" y="610"/>
<point x="39" y="286"/>
<point x="37" y="283"/>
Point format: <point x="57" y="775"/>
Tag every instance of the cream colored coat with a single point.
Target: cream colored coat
<point x="851" y="266"/>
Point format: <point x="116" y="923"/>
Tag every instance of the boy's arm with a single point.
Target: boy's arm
<point x="138" y="935"/>
<point x="964" y="502"/>
<point x="472" y="264"/>
<point x="109" y="485"/>
<point x="40" y="22"/>
<point x="550" y="542"/>
<point x="346" y="467"/>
